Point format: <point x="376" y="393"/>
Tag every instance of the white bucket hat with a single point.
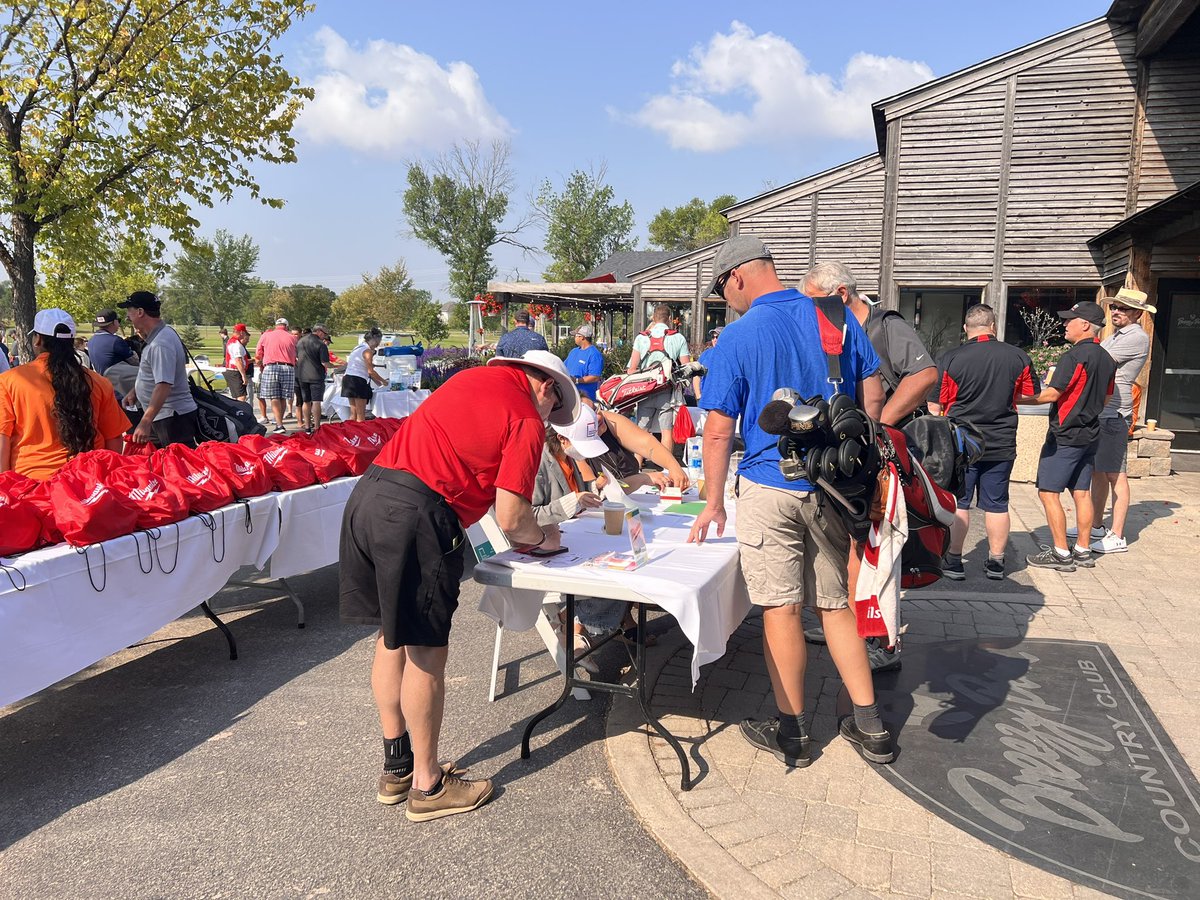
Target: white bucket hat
<point x="547" y="363"/>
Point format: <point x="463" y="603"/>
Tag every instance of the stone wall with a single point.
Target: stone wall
<point x="1149" y="451"/>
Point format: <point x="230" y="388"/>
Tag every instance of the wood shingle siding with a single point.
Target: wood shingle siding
<point x="1171" y="139"/>
<point x="1070" y="160"/>
<point x="850" y="226"/>
<point x="785" y="230"/>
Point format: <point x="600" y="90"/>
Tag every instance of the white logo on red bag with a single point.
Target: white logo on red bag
<point x="204" y="476"/>
<point x="243" y="468"/>
<point x="274" y="456"/>
<point x="97" y="492"/>
<point x="375" y="439"/>
<point x="320" y="451"/>
<point x="146" y="491"/>
<point x="351" y="441"/>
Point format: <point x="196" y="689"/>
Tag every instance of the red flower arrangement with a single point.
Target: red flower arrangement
<point x="491" y="306"/>
<point x="541" y="309"/>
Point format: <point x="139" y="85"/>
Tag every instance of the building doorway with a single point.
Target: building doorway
<point x="937" y="314"/>
<point x="1174" y="395"/>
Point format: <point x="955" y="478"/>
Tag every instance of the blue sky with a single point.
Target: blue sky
<point x="676" y="99"/>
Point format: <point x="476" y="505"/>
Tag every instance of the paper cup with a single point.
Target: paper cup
<point x="1152" y="424"/>
<point x="614" y="518"/>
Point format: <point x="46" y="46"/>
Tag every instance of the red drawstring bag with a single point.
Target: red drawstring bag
<point x="289" y="470"/>
<point x="37" y="493"/>
<point x="205" y="488"/>
<point x="20" y="520"/>
<point x="245" y="470"/>
<point x="388" y="427"/>
<point x="358" y="443"/>
<point x="159" y="502"/>
<point x="132" y="448"/>
<point x="326" y="461"/>
<point x="86" y="510"/>
<point x="684" y="426"/>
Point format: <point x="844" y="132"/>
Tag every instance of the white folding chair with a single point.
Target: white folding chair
<point x="487" y="540"/>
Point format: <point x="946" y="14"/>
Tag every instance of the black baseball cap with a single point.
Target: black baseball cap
<point x="105" y="316"/>
<point x="1086" y="310"/>
<point x="142" y="300"/>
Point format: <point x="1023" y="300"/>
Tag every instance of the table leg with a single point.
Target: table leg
<point x="296" y="600"/>
<point x="207" y="610"/>
<point x="568" y="677"/>
<point x="685" y="779"/>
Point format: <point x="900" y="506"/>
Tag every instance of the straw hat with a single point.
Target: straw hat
<point x="1134" y="299"/>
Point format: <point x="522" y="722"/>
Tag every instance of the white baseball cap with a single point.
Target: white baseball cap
<point x="546" y="362"/>
<point x="281" y="321"/>
<point x="47" y="321"/>
<point x="584" y="434"/>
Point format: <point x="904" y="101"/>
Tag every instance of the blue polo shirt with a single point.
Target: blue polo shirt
<point x="583" y="361"/>
<point x="106" y="349"/>
<point x="520" y="340"/>
<point x="777" y="344"/>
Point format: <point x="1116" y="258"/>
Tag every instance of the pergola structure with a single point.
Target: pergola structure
<point x="606" y="301"/>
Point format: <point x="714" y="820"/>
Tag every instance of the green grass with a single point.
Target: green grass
<point x="342" y="343"/>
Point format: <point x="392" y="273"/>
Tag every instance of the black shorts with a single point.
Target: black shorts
<point x="310" y="391"/>
<point x="987" y="481"/>
<point x="355" y="387"/>
<point x="1065" y="468"/>
<point x="178" y="428"/>
<point x="236" y="384"/>
<point x="401" y="559"/>
<point x="1112" y="453"/>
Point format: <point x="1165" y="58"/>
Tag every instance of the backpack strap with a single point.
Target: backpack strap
<point x="831" y="323"/>
<point x="877" y="334"/>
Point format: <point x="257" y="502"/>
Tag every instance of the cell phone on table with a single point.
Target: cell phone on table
<point x="540" y="551"/>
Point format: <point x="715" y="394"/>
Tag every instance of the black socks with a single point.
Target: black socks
<point x="792" y="728"/>
<point x="867" y="719"/>
<point x="398" y="755"/>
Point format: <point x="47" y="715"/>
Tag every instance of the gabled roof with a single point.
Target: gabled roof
<point x="989" y="70"/>
<point x="808" y="185"/>
<point x="1166" y="219"/>
<point x="625" y="262"/>
<point x="676" y="261"/>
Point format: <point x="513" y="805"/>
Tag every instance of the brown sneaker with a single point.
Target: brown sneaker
<point x="456" y="795"/>
<point x="394" y="789"/>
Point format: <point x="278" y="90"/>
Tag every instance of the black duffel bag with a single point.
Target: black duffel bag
<point x="220" y="417"/>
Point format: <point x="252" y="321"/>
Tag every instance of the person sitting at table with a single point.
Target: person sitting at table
<point x="360" y="372"/>
<point x="624" y="441"/>
<point x="52" y="408"/>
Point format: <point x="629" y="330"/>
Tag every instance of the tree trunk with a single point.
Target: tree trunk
<point x="23" y="274"/>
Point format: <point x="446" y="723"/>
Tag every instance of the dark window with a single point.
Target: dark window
<point x="1022" y="319"/>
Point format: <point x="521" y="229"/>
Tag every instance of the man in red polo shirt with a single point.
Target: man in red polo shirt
<point x="477" y="441"/>
<point x="1078" y="390"/>
<point x="276" y="357"/>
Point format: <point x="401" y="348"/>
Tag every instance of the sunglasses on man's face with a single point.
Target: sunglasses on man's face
<point x="558" y="398"/>
<point x="719" y="287"/>
<point x="1121" y="309"/>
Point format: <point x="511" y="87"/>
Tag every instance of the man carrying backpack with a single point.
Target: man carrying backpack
<point x="907" y="369"/>
<point x="979" y="384"/>
<point x="657" y="344"/>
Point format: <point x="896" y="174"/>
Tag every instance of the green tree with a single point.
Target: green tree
<point x="695" y="224"/>
<point x="130" y="265"/>
<point x="301" y="304"/>
<point x="584" y="225"/>
<point x="460" y="316"/>
<point x="425" y="320"/>
<point x="120" y="116"/>
<point x="210" y="281"/>
<point x="383" y="300"/>
<point x="457" y="204"/>
<point x="191" y="337"/>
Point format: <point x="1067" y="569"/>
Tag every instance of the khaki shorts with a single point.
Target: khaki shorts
<point x="791" y="551"/>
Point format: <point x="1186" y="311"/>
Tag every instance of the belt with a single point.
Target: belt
<point x="403" y="478"/>
<point x="289" y="365"/>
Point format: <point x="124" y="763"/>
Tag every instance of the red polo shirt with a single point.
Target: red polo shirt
<point x="478" y="432"/>
<point x="276" y="346"/>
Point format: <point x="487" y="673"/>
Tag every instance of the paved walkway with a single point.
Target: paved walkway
<point x="751" y="828"/>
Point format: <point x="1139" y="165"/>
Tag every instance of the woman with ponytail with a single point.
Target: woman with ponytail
<point x="52" y="408"/>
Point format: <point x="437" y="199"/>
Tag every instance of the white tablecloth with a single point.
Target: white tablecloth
<point x="384" y="404"/>
<point x="699" y="584"/>
<point x="312" y="526"/>
<point x="78" y="608"/>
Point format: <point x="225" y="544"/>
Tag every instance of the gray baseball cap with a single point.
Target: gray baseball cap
<point x="739" y="249"/>
<point x="585" y="331"/>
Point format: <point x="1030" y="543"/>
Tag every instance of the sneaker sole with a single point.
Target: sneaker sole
<point x="954" y="576"/>
<point x="1115" y="550"/>
<point x="1053" y="567"/>
<point x="452" y="811"/>
<point x="1085" y="563"/>
<point x="880" y="758"/>
<point x="995" y="576"/>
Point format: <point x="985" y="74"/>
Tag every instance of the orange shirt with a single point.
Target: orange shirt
<point x="27" y="418"/>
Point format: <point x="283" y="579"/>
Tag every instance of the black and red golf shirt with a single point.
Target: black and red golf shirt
<point x="979" y="383"/>
<point x="1084" y="380"/>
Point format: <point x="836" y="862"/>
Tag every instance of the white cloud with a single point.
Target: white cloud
<point x="390" y="100"/>
<point x="745" y="88"/>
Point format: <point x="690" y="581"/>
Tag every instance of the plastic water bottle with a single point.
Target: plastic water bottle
<point x="695" y="459"/>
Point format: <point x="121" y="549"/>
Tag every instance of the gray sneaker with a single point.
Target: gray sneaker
<point x="1049" y="559"/>
<point x="1083" y="558"/>
<point x="994" y="569"/>
<point x="953" y="570"/>
<point x="881" y="658"/>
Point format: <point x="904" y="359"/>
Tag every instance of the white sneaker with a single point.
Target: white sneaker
<point x="1110" y="543"/>
<point x="1098" y="532"/>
